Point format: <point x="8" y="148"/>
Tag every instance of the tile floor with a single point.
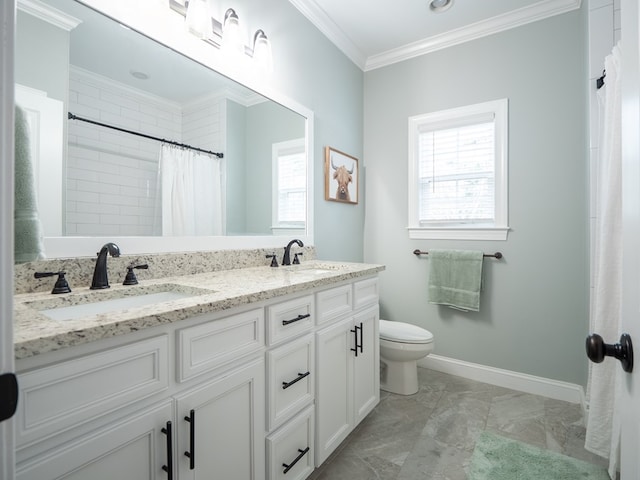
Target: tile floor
<point x="431" y="435"/>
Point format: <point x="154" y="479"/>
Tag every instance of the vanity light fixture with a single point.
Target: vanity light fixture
<point x="198" y="18"/>
<point x="439" y="6"/>
<point x="225" y="35"/>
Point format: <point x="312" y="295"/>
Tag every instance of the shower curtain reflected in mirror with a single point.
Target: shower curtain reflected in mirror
<point x="191" y="192"/>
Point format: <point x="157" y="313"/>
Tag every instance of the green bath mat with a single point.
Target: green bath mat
<point x="499" y="458"/>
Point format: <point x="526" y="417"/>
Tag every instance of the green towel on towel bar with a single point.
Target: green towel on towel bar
<point x="455" y="278"/>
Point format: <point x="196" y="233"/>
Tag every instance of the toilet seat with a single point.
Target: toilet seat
<point x="401" y="332"/>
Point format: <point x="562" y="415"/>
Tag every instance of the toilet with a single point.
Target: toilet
<point x="401" y="346"/>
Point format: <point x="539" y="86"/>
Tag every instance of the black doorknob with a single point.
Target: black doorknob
<point x="623" y="351"/>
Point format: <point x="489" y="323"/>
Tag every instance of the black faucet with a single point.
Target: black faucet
<point x="286" y="259"/>
<point x="100" y="279"/>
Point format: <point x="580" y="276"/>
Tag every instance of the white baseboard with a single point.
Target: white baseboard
<point x="569" y="392"/>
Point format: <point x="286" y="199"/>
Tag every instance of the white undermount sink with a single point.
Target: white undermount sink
<point x="73" y="307"/>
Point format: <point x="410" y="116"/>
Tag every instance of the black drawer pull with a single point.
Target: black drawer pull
<point x="291" y="465"/>
<point x="297" y="319"/>
<point x="169" y="466"/>
<point x="286" y="385"/>
<point x="191" y="454"/>
<point x="361" y="337"/>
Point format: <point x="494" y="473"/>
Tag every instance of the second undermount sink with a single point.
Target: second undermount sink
<point x="317" y="268"/>
<point x="96" y="303"/>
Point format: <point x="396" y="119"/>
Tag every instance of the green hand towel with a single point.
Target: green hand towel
<point x="455" y="278"/>
<point x="28" y="244"/>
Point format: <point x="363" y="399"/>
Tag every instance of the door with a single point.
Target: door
<point x="630" y="322"/>
<point x="366" y="378"/>
<point x="334" y="389"/>
<point x="7" y="26"/>
<point x="221" y="427"/>
<point x="136" y="447"/>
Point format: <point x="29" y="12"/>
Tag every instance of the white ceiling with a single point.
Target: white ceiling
<point x="375" y="33"/>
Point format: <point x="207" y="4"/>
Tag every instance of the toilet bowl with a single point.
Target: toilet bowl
<point x="401" y="346"/>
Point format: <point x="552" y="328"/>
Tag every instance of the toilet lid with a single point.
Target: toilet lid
<point x="404" y="332"/>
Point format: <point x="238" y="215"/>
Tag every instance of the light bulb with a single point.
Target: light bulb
<point x="198" y="19"/>
<point x="262" y="51"/>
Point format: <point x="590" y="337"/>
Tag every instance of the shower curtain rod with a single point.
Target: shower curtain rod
<point x="71" y="116"/>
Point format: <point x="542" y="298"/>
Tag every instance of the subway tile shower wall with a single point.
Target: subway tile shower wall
<point x="112" y="176"/>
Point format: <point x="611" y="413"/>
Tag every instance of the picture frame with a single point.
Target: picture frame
<point x="341" y="176"/>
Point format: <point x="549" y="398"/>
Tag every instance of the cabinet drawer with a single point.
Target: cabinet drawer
<point x="208" y="346"/>
<point x="290" y="379"/>
<point x="365" y="292"/>
<point x="292" y="446"/>
<point x="67" y="394"/>
<point x="288" y="319"/>
<point x="332" y="303"/>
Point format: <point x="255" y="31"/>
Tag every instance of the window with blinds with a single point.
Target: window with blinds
<point x="458" y="173"/>
<point x="290" y="184"/>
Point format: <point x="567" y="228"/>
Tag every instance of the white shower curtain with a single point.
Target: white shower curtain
<point x="191" y="189"/>
<point x="603" y="426"/>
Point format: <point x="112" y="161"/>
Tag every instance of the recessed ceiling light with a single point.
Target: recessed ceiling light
<point x="139" y="75"/>
<point x="439" y="6"/>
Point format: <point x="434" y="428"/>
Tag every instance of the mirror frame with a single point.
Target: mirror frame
<point x="167" y="28"/>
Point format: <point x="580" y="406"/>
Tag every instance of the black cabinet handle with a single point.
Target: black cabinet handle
<point x="286" y="385"/>
<point x="355" y="332"/>
<point x="169" y="466"/>
<point x="297" y="319"/>
<point x="297" y="459"/>
<point x="361" y="337"/>
<point x="191" y="454"/>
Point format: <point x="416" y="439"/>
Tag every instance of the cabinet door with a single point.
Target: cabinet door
<point x="334" y="389"/>
<point x="228" y="422"/>
<point x="135" y="447"/>
<point x="366" y="378"/>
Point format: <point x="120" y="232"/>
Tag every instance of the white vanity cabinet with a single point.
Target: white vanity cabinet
<point x="263" y="391"/>
<point x="118" y="414"/>
<point x="348" y="353"/>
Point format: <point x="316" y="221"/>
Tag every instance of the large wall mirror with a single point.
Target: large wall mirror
<point x="79" y="73"/>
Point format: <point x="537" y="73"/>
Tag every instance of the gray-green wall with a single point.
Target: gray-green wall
<point x="236" y="168"/>
<point x="309" y="69"/>
<point x="534" y="307"/>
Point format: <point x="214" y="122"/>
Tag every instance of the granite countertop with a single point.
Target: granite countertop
<point x="35" y="333"/>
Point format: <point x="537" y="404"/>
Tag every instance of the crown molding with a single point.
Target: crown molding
<point x="516" y="18"/>
<point x="317" y="16"/>
<point x="48" y="14"/>
<point x="499" y="23"/>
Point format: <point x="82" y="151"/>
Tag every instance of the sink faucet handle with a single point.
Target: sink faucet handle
<point x="61" y="286"/>
<point x="274" y="261"/>
<point x="296" y="260"/>
<point x="131" y="278"/>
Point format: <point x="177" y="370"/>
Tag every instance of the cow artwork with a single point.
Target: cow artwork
<point x="341" y="176"/>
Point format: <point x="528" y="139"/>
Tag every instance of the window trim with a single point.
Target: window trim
<point x="499" y="229"/>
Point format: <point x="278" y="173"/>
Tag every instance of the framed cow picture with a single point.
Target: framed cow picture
<point x="340" y="176"/>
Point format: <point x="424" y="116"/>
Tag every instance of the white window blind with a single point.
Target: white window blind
<point x="457" y="174"/>
<point x="292" y="181"/>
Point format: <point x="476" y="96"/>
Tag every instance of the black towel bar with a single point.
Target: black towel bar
<point x="497" y="255"/>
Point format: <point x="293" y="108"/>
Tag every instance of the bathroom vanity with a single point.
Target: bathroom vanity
<point x="241" y="374"/>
